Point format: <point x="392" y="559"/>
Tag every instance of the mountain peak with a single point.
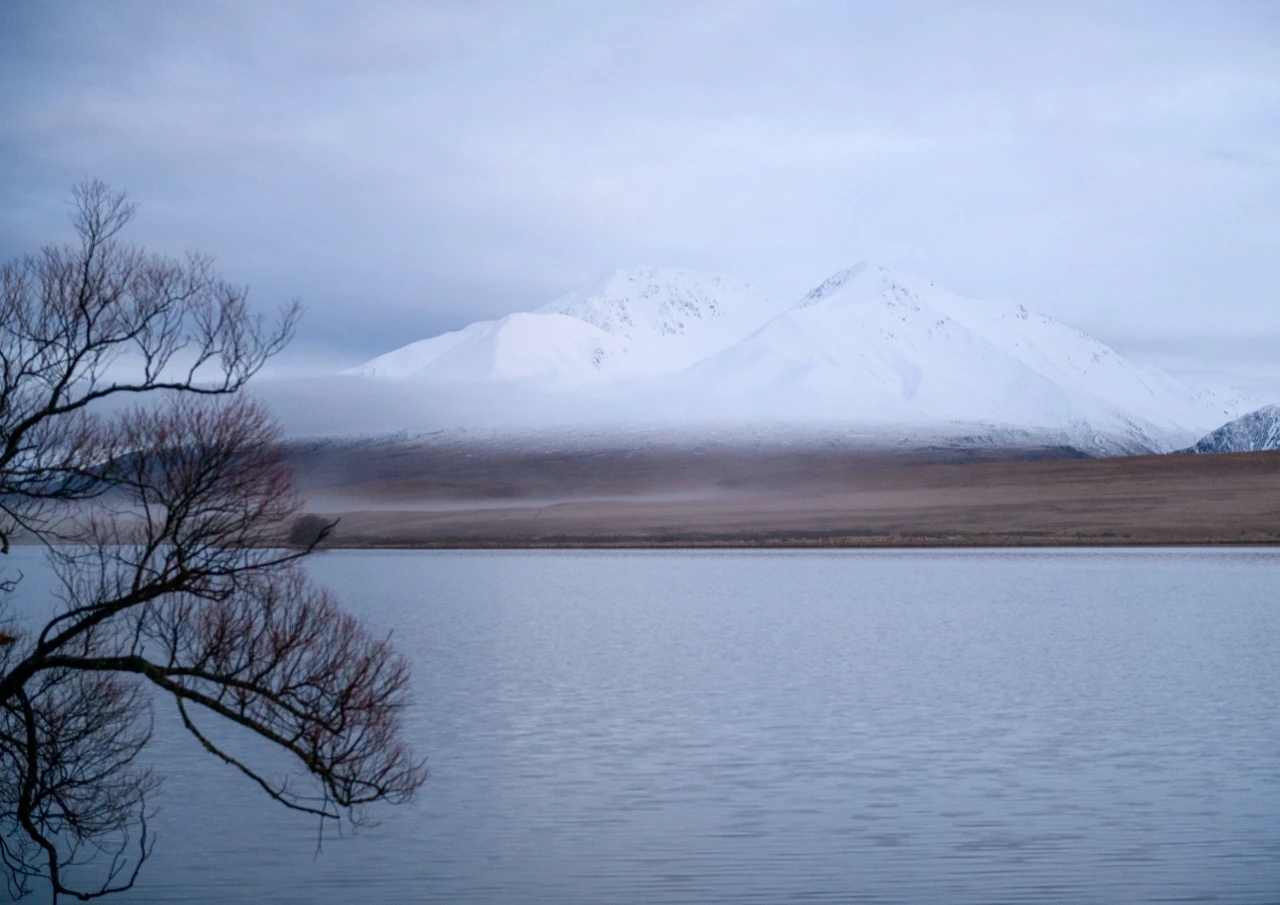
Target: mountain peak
<point x="638" y="280"/>
<point x="662" y="301"/>
<point x="636" y="321"/>
<point x="865" y="273"/>
<point x="1257" y="431"/>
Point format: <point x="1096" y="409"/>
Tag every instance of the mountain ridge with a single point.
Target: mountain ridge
<point x="868" y="345"/>
<point x="636" y="322"/>
<point x="1256" y="431"/>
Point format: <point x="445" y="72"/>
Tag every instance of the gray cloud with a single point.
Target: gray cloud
<point x="406" y="168"/>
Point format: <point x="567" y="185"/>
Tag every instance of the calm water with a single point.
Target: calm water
<point x="894" y="727"/>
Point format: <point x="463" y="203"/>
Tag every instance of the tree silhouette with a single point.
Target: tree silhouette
<point x="164" y="502"/>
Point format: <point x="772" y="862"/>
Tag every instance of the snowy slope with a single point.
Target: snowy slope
<point x="873" y="345"/>
<point x="1254" y="432"/>
<point x="867" y="347"/>
<point x="408" y="360"/>
<point x="550" y="348"/>
<point x="668" y="318"/>
<point x="637" y="322"/>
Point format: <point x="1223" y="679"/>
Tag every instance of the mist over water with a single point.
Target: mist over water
<point x="850" y="726"/>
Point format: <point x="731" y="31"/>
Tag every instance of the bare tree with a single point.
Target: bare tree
<point x="164" y="521"/>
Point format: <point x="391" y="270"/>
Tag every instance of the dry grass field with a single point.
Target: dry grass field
<point x="426" y="496"/>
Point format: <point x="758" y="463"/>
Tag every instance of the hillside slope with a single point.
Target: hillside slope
<point x="872" y="345"/>
<point x="1257" y="431"/>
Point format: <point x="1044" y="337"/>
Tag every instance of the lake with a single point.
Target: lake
<point x="761" y="727"/>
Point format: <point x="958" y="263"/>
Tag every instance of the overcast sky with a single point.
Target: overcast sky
<point x="406" y="168"/>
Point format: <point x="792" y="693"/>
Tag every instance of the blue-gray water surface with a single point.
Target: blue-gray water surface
<point x="766" y="727"/>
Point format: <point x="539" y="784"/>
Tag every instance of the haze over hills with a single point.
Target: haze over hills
<point x="663" y="406"/>
<point x="869" y="349"/>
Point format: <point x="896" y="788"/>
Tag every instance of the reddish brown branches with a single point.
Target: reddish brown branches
<point x="163" y="524"/>
<point x="81" y="324"/>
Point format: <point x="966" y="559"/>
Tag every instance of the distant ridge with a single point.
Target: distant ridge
<point x="1258" y="431"/>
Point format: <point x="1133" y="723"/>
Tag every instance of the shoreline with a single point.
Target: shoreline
<point x="786" y="543"/>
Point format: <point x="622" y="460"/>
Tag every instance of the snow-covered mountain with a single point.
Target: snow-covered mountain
<point x="1257" y="431"/>
<point x="637" y="322"/>
<point x="872" y="345"/>
<point x="867" y="347"/>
